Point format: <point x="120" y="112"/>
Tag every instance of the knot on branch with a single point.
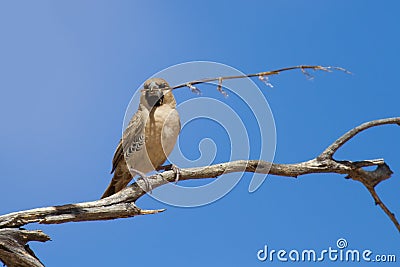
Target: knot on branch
<point x="371" y="178"/>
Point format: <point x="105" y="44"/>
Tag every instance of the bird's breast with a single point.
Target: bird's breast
<point x="161" y="132"/>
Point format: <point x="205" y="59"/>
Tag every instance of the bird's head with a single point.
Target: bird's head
<point x="157" y="92"/>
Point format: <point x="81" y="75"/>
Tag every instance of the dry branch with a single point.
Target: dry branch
<point x="13" y="248"/>
<point x="14" y="252"/>
<point x="263" y="76"/>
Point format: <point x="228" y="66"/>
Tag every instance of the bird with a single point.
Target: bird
<point x="149" y="138"/>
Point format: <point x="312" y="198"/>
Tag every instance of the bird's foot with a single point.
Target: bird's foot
<point x="171" y="167"/>
<point x="144" y="177"/>
<point x="177" y="172"/>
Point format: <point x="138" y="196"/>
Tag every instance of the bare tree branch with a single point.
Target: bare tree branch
<point x="13" y="248"/>
<point x="329" y="151"/>
<point x="379" y="202"/>
<point x="14" y="252"/>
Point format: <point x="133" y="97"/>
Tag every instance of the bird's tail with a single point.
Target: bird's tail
<point x="109" y="191"/>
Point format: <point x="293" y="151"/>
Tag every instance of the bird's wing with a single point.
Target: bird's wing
<point x="132" y="140"/>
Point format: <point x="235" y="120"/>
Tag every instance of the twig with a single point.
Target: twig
<point x="261" y="75"/>
<point x="329" y="151"/>
<point x="379" y="202"/>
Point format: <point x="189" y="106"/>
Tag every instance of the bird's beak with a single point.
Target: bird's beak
<point x="153" y="87"/>
<point x="154" y="90"/>
<point x="154" y="95"/>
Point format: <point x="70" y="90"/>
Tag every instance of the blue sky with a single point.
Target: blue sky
<point x="69" y="69"/>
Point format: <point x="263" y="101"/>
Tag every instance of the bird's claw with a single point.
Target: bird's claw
<point x="171" y="167"/>
<point x="145" y="179"/>
<point x="177" y="172"/>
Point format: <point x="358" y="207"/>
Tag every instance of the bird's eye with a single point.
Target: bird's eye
<point x="162" y="85"/>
